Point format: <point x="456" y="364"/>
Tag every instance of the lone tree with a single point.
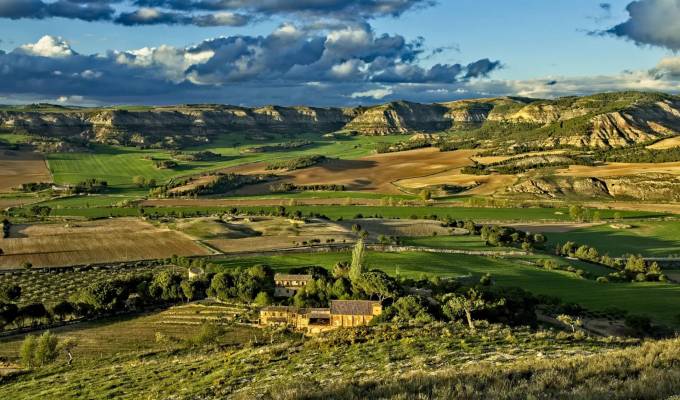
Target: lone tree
<point x="457" y="306"/>
<point x="570" y="321"/>
<point x="356" y="269"/>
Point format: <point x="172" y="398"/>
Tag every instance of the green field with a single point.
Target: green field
<point x="649" y="238"/>
<point x="349" y="212"/>
<point x="117" y="165"/>
<point x="657" y="300"/>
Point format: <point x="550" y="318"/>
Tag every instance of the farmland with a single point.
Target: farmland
<point x="47" y="245"/>
<point x="21" y="166"/>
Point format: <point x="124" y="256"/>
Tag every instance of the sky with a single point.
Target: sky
<point x="331" y="52"/>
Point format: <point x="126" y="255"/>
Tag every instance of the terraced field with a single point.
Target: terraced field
<point x="118" y="335"/>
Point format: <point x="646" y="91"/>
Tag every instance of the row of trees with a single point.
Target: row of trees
<point x="631" y="268"/>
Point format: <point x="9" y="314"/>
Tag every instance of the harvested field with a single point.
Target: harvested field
<point x="17" y="167"/>
<point x="375" y="173"/>
<point x="496" y="159"/>
<point x="665" y="144"/>
<point x="124" y="239"/>
<point x="621" y="169"/>
<point x="481" y="184"/>
<point x="280" y="233"/>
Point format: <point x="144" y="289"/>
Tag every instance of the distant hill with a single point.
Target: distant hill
<point x="598" y="121"/>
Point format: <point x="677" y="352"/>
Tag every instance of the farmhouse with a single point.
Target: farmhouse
<point x="288" y="284"/>
<point x="341" y="314"/>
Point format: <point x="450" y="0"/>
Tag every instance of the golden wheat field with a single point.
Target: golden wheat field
<point x="90" y="242"/>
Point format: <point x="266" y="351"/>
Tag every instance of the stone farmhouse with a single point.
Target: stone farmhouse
<point x="341" y="314"/>
<point x="288" y="284"/>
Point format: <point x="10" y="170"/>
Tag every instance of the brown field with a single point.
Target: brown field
<point x="279" y="233"/>
<point x="621" y="169"/>
<point x="375" y="173"/>
<point x="123" y="239"/>
<point x="665" y="144"/>
<point x="17" y="167"/>
<point x="483" y="184"/>
<point x="201" y="180"/>
<point x="497" y="159"/>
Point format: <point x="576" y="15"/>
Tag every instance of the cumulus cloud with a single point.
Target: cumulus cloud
<point x="292" y="64"/>
<point x="47" y="46"/>
<point x="651" y="22"/>
<point x="204" y="12"/>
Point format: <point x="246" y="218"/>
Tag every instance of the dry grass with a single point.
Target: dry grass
<point x="497" y="159"/>
<point x="665" y="144"/>
<point x="193" y="184"/>
<point x="621" y="169"/>
<point x="551" y="228"/>
<point x="17" y="167"/>
<point x="125" y="239"/>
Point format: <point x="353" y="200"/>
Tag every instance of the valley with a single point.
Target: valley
<point x="147" y="242"/>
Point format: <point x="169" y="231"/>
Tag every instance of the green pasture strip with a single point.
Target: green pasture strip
<point x="657" y="300"/>
<point x="649" y="238"/>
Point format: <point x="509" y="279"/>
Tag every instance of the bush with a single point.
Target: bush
<point x="602" y="279"/>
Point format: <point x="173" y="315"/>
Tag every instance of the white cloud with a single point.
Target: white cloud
<point x="48" y="46"/>
<point x="377" y="94"/>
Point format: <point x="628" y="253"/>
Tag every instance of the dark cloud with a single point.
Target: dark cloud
<point x="606" y="7"/>
<point x="290" y="65"/>
<point x="326" y="8"/>
<point x="204" y="12"/>
<point x="651" y="22"/>
<point x="91" y="10"/>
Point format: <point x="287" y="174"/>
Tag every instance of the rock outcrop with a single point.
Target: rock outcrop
<point x="648" y="187"/>
<point x="598" y="121"/>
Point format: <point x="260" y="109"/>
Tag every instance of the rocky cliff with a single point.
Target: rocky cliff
<point x="598" y="121"/>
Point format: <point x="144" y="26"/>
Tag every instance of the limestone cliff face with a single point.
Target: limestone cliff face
<point x="110" y="125"/>
<point x="400" y="118"/>
<point x="598" y="121"/>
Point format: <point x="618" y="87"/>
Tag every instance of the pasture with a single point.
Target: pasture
<point x="648" y="238"/>
<point x="91" y="242"/>
<point x="657" y="300"/>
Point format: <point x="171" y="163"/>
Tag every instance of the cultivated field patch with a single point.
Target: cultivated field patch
<point x="375" y="173"/>
<point x="75" y="243"/>
<point x="665" y="144"/>
<point x="17" y="167"/>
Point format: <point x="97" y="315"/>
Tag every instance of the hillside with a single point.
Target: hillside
<point x="597" y="121"/>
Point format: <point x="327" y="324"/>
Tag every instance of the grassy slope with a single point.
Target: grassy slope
<point x="654" y="239"/>
<point x="658" y="300"/>
<point x="433" y="361"/>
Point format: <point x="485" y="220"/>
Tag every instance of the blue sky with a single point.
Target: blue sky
<point x="335" y="52"/>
